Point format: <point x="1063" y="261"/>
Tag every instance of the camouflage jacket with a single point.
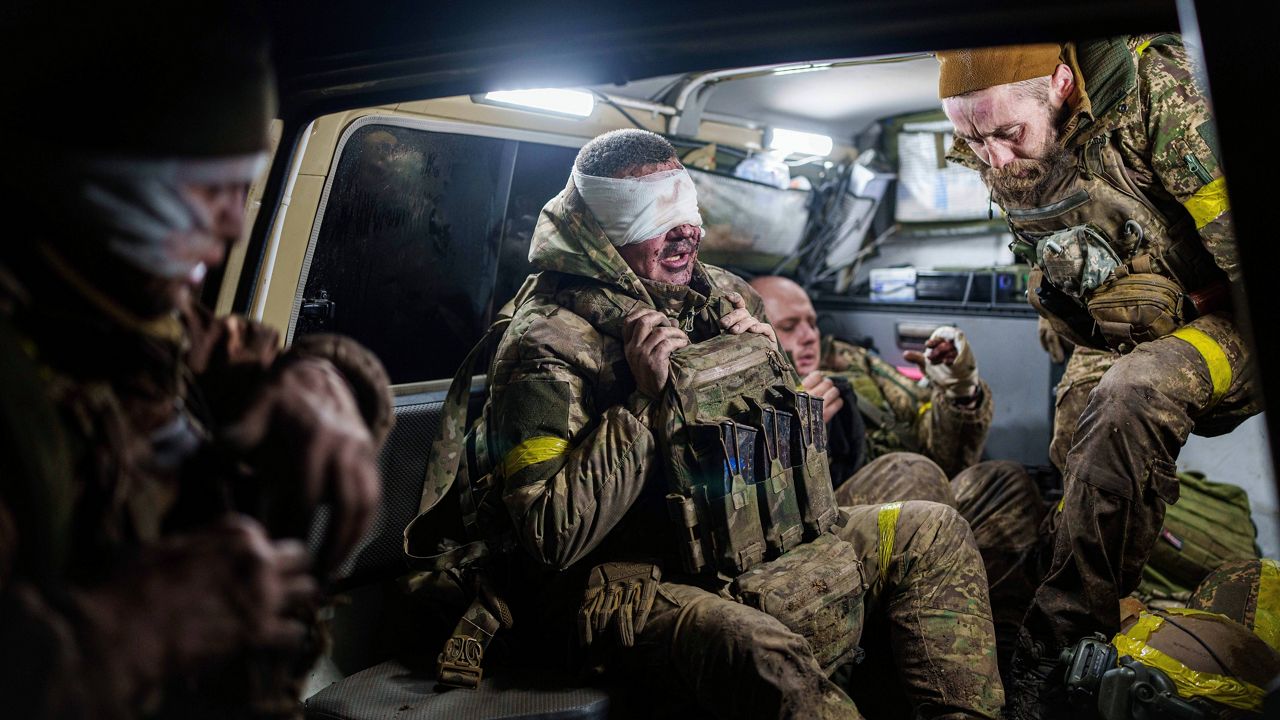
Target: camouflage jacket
<point x="99" y="420"/>
<point x="1140" y="97"/>
<point x="568" y="434"/>
<point x="901" y="415"/>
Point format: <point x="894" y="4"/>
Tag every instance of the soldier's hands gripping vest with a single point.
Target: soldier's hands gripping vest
<point x="745" y="455"/>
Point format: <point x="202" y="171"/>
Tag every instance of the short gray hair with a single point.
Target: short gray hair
<point x="616" y="152"/>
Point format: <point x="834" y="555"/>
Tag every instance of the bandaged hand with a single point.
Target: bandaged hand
<point x="619" y="595"/>
<point x="948" y="363"/>
<point x="740" y="320"/>
<point x="819" y="385"/>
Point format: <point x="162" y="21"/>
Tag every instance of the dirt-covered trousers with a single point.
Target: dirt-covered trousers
<point x="1004" y="509"/>
<point x="926" y="583"/>
<point x="1120" y="471"/>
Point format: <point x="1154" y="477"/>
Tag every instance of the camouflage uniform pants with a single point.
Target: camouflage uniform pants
<point x="1120" y="471"/>
<point x="896" y="476"/>
<point x="929" y="592"/>
<point x="1004" y="509"/>
<point x="1084" y="370"/>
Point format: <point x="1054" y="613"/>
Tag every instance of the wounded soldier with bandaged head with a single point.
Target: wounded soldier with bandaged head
<point x="654" y="458"/>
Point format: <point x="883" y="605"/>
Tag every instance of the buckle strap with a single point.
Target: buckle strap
<point x="461" y="660"/>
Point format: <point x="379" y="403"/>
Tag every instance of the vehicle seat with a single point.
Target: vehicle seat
<point x="391" y="690"/>
<point x="386" y="689"/>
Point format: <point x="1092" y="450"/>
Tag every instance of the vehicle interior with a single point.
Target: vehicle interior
<point x="416" y="145"/>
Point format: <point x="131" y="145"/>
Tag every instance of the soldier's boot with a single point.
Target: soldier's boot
<point x="1036" y="689"/>
<point x="929" y="586"/>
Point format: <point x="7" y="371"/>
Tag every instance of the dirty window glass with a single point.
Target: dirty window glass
<point x="407" y="253"/>
<point x="540" y="174"/>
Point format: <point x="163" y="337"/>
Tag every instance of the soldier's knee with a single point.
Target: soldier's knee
<point x="930" y="529"/>
<point x="736" y="631"/>
<point x="897" y="476"/>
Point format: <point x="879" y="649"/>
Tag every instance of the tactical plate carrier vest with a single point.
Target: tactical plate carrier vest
<point x="750" y="498"/>
<point x="1114" y="264"/>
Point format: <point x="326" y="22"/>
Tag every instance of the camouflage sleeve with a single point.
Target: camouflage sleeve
<point x="954" y="435"/>
<point x="570" y="470"/>
<point x="1184" y="147"/>
<point x="903" y="394"/>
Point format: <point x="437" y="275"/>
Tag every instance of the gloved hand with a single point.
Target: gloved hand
<point x="190" y="601"/>
<point x="1052" y="342"/>
<point x="307" y="442"/>
<point x="618" y="594"/>
<point x="948" y="363"/>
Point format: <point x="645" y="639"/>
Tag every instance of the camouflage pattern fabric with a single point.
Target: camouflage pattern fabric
<point x="1004" y="508"/>
<point x="897" y="476"/>
<point x="116" y="490"/>
<point x="922" y="419"/>
<point x="929" y="636"/>
<point x="1144" y="132"/>
<point x="1247" y="591"/>
<point x="579" y="471"/>
<point x="1121" y="471"/>
<point x="1084" y="369"/>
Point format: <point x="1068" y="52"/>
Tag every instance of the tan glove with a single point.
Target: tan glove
<point x="620" y="594"/>
<point x="1052" y="342"/>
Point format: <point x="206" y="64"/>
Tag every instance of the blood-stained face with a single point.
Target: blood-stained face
<point x="1014" y="130"/>
<point x="667" y="258"/>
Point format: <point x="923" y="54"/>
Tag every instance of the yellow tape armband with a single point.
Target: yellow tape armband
<point x="1142" y="47"/>
<point x="924" y="408"/>
<point x="1208" y="203"/>
<point x="887" y="524"/>
<point x="1266" y="619"/>
<point x="533" y="451"/>
<point x="1223" y="689"/>
<point x="1214" y="357"/>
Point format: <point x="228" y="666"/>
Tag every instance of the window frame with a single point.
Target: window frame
<point x="495" y="132"/>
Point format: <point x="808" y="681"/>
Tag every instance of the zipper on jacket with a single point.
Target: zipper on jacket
<point x="1196" y="167"/>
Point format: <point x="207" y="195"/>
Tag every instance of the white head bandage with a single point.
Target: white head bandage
<point x="145" y="208"/>
<point x="633" y="210"/>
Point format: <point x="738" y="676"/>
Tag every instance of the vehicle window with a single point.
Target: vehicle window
<point x="540" y="173"/>
<point x="406" y="256"/>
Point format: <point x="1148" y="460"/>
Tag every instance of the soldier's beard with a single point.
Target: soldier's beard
<point x="1021" y="181"/>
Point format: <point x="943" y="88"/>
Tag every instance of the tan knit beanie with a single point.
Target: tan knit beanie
<point x="965" y="71"/>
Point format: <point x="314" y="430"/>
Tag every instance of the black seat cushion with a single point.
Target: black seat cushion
<point x="392" y="691"/>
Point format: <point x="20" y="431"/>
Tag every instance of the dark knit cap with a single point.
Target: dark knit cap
<point x="143" y="78"/>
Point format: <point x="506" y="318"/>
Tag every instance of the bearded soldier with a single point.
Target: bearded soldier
<point x="625" y="402"/>
<point x="1104" y="158"/>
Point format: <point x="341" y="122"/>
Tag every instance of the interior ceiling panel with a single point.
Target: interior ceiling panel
<point x="837" y="101"/>
<point x="342" y="53"/>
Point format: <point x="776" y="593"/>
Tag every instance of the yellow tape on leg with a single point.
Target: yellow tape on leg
<point x="1214" y="357"/>
<point x="887" y="524"/>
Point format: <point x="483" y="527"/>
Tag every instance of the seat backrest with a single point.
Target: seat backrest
<point x="403" y="465"/>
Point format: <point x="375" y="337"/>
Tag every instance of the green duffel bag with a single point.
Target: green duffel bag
<point x="1210" y="524"/>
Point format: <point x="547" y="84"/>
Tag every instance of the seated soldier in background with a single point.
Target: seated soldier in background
<point x="574" y="445"/>
<point x="136" y="427"/>
<point x="875" y="412"/>
<point x="946" y="420"/>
